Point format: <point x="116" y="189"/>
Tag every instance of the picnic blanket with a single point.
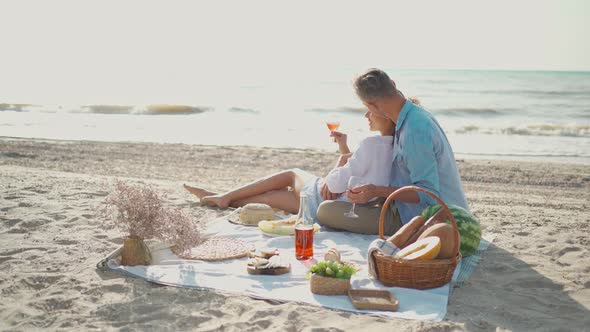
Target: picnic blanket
<point x="230" y="276"/>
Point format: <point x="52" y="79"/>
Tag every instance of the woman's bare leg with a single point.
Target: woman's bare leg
<point x="199" y="192"/>
<point x="281" y="199"/>
<point x="291" y="178"/>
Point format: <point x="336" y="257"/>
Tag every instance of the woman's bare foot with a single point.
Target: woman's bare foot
<point x="200" y="193"/>
<point x="208" y="198"/>
<point x="216" y="200"/>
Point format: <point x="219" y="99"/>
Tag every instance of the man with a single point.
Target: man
<point x="422" y="156"/>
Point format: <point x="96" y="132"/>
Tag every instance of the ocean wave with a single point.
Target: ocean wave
<point x="345" y="109"/>
<point x="175" y="109"/>
<point x="471" y="111"/>
<point x="539" y="93"/>
<point x="583" y="114"/>
<point x="549" y="130"/>
<point x="15" y="107"/>
<point x="531" y="130"/>
<point x="155" y="109"/>
<point x="532" y="154"/>
<point x="243" y="110"/>
<point x="108" y="109"/>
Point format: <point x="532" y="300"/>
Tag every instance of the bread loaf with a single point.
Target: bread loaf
<point x="401" y="237"/>
<point x="437" y="218"/>
<point x="333" y="255"/>
<point x="253" y="213"/>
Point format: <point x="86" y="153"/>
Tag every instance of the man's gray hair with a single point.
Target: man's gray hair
<point x="374" y="84"/>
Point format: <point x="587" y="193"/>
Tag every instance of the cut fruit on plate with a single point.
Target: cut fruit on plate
<point x="426" y="248"/>
<point x="284" y="227"/>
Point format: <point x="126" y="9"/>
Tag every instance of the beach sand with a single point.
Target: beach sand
<point x="535" y="276"/>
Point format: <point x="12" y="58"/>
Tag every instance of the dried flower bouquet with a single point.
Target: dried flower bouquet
<point x="139" y="212"/>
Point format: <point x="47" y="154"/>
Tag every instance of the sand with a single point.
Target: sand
<point x="535" y="276"/>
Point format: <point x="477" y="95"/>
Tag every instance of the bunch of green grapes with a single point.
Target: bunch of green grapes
<point x="333" y="270"/>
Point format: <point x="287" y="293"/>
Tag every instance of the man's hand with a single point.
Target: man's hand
<point x="327" y="194"/>
<point x="362" y="194"/>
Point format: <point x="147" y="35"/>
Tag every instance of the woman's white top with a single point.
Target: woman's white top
<point x="372" y="162"/>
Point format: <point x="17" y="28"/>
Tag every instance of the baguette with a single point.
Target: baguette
<point x="437" y="218"/>
<point x="405" y="233"/>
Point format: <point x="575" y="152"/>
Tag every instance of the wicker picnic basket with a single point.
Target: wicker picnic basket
<point x="419" y="274"/>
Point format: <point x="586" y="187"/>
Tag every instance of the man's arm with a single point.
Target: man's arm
<point x="423" y="165"/>
<point x="367" y="192"/>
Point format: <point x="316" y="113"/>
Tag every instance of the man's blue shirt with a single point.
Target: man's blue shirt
<point x="423" y="157"/>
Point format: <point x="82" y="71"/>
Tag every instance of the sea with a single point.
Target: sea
<point x="486" y="114"/>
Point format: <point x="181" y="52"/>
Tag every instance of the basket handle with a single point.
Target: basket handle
<point x="442" y="204"/>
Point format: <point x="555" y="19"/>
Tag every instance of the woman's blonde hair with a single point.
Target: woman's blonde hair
<point x="415" y="100"/>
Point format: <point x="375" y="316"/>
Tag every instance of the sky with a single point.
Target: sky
<point x="122" y="50"/>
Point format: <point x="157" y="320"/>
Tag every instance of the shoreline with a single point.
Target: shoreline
<point x="534" y="276"/>
<point x="552" y="159"/>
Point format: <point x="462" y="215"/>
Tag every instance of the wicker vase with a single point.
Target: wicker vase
<point x="329" y="286"/>
<point x="135" y="252"/>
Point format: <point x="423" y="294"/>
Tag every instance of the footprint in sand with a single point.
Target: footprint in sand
<point x="21" y="250"/>
<point x="11" y="222"/>
<point x="569" y="256"/>
<point x="40" y="282"/>
<point x="57" y="216"/>
<point x="39" y="191"/>
<point x="66" y="242"/>
<point x="11" y="197"/>
<point x="53" y="304"/>
<point x="4" y="259"/>
<point x="101" y="290"/>
<point x="32" y="224"/>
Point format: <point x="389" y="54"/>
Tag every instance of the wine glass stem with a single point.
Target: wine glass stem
<point x="352" y="209"/>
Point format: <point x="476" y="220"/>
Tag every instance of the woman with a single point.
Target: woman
<point x="371" y="161"/>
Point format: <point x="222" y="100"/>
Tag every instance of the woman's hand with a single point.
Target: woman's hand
<point x="340" y="138"/>
<point x="362" y="194"/>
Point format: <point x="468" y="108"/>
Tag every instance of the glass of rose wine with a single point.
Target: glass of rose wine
<point x="333" y="125"/>
<point x="353" y="183"/>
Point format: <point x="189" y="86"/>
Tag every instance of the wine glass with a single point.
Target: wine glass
<point x="333" y="125"/>
<point x="353" y="183"/>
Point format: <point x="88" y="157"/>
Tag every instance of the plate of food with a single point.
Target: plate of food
<point x="282" y="227"/>
<point x="268" y="261"/>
